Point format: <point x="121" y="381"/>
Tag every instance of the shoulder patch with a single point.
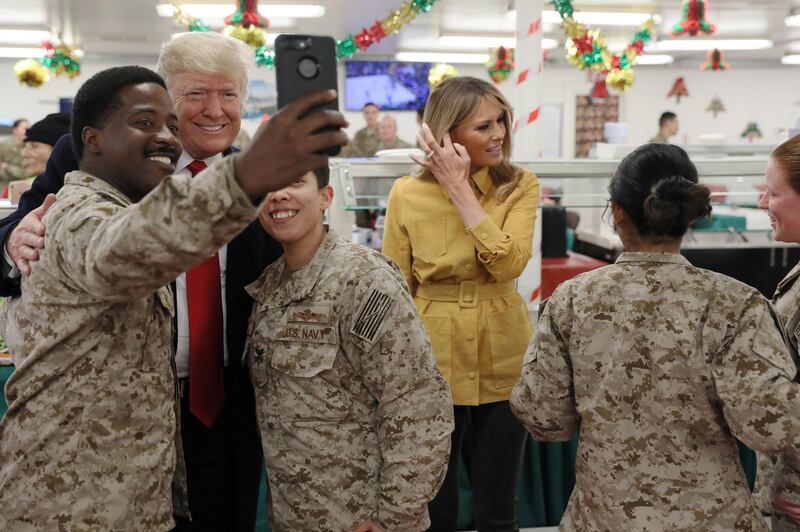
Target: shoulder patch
<point x="369" y="320"/>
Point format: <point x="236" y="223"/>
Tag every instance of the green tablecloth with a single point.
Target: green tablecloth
<point x="545" y="484"/>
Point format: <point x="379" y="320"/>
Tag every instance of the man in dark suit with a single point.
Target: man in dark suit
<point x="206" y="77"/>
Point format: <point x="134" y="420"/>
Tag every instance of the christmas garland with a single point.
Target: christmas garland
<point x="249" y="29"/>
<point x="586" y="48"/>
<point x="61" y="60"/>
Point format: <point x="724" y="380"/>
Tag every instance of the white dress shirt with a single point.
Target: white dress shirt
<point x="182" y="353"/>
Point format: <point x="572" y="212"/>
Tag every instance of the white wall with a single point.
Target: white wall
<point x="767" y="96"/>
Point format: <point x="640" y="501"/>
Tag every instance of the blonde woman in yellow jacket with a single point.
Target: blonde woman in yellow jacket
<point x="461" y="230"/>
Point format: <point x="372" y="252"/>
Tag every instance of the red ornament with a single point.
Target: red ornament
<point x="584" y="44"/>
<point x="246" y="15"/>
<point x="376" y="32"/>
<point x="599" y="91"/>
<point x="363" y="39"/>
<point x="693" y="19"/>
<point x="638" y="46"/>
<point x="714" y="61"/>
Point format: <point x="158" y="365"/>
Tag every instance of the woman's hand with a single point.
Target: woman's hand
<point x="792" y="511"/>
<point x="449" y="164"/>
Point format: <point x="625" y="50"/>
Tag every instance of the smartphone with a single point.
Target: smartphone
<point x="304" y="64"/>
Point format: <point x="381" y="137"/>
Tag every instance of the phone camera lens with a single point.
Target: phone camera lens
<point x="308" y="67"/>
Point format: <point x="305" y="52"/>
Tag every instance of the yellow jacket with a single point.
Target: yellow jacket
<point x="464" y="279"/>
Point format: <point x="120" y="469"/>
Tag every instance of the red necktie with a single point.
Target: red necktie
<point x="206" y="364"/>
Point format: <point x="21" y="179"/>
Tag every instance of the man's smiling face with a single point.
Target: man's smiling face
<point x="209" y="109"/>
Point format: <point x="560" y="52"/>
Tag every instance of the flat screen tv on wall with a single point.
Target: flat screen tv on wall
<point x="389" y="84"/>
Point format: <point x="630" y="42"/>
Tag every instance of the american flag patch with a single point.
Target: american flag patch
<point x="372" y="314"/>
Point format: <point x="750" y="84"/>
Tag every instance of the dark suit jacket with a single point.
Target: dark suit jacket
<point x="248" y="254"/>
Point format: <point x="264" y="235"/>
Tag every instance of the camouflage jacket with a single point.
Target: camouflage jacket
<point x="89" y="440"/>
<point x="396" y="144"/>
<point x="11" y="163"/>
<point x="787" y="303"/>
<point x="364" y="143"/>
<point x="355" y="418"/>
<point x="661" y="364"/>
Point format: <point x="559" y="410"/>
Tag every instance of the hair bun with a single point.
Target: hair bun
<point x="674" y="203"/>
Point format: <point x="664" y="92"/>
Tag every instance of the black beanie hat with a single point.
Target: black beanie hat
<point x="49" y="129"/>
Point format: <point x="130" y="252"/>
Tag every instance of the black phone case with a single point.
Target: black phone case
<point x="291" y="83"/>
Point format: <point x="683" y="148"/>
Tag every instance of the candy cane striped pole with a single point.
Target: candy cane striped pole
<point x="529" y="63"/>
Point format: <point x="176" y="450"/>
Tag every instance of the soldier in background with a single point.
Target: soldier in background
<point x="387" y="131"/>
<point x="11" y="165"/>
<point x="90" y="439"/>
<point x="365" y="142"/>
<point x="355" y="418"/>
<point x="667" y="128"/>
<point x="661" y="364"/>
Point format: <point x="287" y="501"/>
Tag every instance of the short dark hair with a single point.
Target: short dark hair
<point x="323" y="176"/>
<point x="666" y="117"/>
<point x="657" y="187"/>
<point x="375" y="105"/>
<point x="99" y="96"/>
<point x="17" y="122"/>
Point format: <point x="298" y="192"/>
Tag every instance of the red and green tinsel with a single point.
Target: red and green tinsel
<point x="379" y="30"/>
<point x="247" y="15"/>
<point x="586" y="48"/>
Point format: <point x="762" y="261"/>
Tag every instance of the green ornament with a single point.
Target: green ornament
<point x="422" y="6"/>
<point x="197" y="25"/>
<point x="564" y="7"/>
<point x="644" y="36"/>
<point x="265" y="57"/>
<point x="346" y="47"/>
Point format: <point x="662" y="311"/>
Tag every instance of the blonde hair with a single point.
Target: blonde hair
<point x="206" y="52"/>
<point x="452" y="102"/>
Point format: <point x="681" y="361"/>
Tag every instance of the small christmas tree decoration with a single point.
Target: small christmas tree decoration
<point x="714" y="61"/>
<point x="751" y="132"/>
<point x="693" y="19"/>
<point x="678" y="90"/>
<point x="715" y="107"/>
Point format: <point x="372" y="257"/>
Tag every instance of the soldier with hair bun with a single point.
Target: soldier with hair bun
<point x="660" y="364"/>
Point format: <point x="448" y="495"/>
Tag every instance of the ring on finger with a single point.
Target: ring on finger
<point x="429" y="154"/>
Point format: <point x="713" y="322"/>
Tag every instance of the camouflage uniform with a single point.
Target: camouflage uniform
<point x="396" y="144"/>
<point x="89" y="440"/>
<point x="364" y="143"/>
<point x="11" y="163"/>
<point x="787" y="304"/>
<point x="661" y="364"/>
<point x="355" y="418"/>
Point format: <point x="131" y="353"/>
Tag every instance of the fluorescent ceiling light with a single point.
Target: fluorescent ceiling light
<point x="691" y="45"/>
<point x="223" y="10"/>
<point x="654" y="59"/>
<point x="792" y="21"/>
<point x="440" y="57"/>
<point x="601" y="18"/>
<point x="793" y="59"/>
<point x="19" y="52"/>
<point x="467" y="41"/>
<point x="24" y="36"/>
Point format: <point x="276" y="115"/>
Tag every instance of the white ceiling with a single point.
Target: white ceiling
<point x="132" y="27"/>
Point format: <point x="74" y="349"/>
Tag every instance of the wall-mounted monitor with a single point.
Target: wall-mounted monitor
<point x="392" y="85"/>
